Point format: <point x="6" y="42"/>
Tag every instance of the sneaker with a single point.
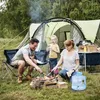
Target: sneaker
<point x="20" y="79"/>
<point x="28" y="77"/>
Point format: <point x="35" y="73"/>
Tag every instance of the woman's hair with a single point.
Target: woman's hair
<point x="54" y="37"/>
<point x="69" y="43"/>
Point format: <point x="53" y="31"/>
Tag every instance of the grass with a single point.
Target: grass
<point x="11" y="90"/>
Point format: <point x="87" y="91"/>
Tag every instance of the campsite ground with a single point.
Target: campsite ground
<point x="11" y="90"/>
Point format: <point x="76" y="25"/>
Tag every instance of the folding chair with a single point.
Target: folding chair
<point x="9" y="54"/>
<point x="42" y="56"/>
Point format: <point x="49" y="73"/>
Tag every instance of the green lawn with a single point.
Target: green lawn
<point x="11" y="90"/>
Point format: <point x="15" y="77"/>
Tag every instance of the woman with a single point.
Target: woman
<point x="69" y="60"/>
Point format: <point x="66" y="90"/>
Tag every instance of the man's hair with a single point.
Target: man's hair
<point x="34" y="40"/>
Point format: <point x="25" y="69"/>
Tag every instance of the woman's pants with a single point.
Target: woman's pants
<point x="63" y="74"/>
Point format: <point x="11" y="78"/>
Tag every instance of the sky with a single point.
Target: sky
<point x="2" y="4"/>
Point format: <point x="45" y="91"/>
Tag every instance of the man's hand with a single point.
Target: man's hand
<point x="32" y="57"/>
<point x="39" y="69"/>
<point x="35" y="61"/>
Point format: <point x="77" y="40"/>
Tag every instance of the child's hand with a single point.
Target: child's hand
<point x="50" y="48"/>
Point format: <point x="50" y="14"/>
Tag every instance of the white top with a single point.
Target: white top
<point x="69" y="61"/>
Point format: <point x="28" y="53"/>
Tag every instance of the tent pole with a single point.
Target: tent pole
<point x="85" y="60"/>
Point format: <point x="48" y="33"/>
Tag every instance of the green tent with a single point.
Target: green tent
<point x="63" y="28"/>
<point x="90" y="29"/>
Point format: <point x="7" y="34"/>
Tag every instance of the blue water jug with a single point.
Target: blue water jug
<point x="74" y="74"/>
<point x="78" y="82"/>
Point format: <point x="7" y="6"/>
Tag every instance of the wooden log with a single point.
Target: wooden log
<point x="62" y="85"/>
<point x="50" y="84"/>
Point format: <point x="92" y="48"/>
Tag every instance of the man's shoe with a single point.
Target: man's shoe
<point x="20" y="79"/>
<point x="28" y="77"/>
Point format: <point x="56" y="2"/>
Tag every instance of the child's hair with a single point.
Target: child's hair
<point x="54" y="37"/>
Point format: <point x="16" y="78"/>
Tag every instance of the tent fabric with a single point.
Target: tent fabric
<point x="63" y="29"/>
<point x="33" y="28"/>
<point x="52" y="27"/>
<point x="89" y="28"/>
<point x="24" y="41"/>
<point x="97" y="40"/>
<point x="29" y="34"/>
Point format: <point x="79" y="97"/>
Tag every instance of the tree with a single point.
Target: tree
<point x="18" y="14"/>
<point x="14" y="17"/>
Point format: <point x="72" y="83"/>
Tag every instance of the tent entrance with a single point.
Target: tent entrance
<point x="63" y="34"/>
<point x="63" y="28"/>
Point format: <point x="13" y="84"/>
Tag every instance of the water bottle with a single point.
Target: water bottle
<point x="78" y="82"/>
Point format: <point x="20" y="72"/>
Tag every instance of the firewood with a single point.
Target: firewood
<point x="62" y="85"/>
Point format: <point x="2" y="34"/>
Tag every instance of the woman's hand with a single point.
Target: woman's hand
<point x="76" y="67"/>
<point x="69" y="73"/>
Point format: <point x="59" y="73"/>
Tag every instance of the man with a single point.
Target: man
<point x="25" y="57"/>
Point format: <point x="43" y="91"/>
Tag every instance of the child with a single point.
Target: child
<point x="53" y="53"/>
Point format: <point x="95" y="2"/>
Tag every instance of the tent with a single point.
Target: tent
<point x="90" y="29"/>
<point x="63" y="28"/>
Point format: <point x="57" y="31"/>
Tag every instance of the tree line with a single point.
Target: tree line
<point x="19" y="14"/>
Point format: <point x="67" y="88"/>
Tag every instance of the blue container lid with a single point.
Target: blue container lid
<point x="77" y="73"/>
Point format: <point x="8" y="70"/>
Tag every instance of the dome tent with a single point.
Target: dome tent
<point x="63" y="28"/>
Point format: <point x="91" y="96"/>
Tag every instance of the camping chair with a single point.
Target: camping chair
<point x="9" y="54"/>
<point x="42" y="56"/>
